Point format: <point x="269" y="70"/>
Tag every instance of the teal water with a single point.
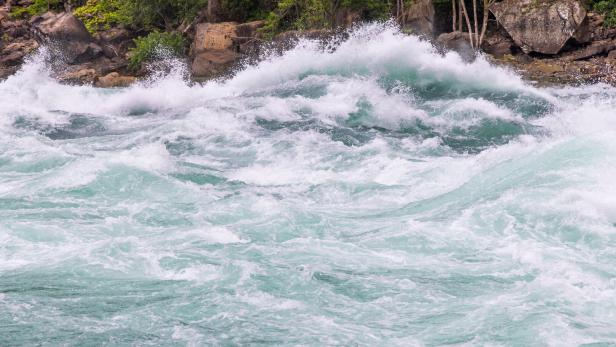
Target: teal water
<point x="378" y="195"/>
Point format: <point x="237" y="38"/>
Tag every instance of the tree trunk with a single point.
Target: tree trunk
<point x="468" y="23"/>
<point x="454" y="17"/>
<point x="475" y="19"/>
<point x="459" y="16"/>
<point x="486" y="18"/>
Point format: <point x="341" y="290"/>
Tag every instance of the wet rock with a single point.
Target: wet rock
<point x="60" y="26"/>
<point x="67" y="35"/>
<point x="115" y="80"/>
<point x="213" y="50"/>
<point x="248" y="39"/>
<point x="542" y="26"/>
<point x="83" y="76"/>
<point x="212" y="63"/>
<point x="459" y="42"/>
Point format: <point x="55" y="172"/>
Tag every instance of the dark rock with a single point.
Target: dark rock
<point x="14" y="58"/>
<point x="498" y="44"/>
<point x="542" y="26"/>
<point x="459" y="42"/>
<point x="61" y="27"/>
<point x="67" y="35"/>
<point x="15" y="29"/>
<point x="596" y="48"/>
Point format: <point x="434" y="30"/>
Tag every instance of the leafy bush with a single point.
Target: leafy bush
<point x="148" y="47"/>
<point x="36" y="8"/>
<point x="247" y="10"/>
<point x="163" y="14"/>
<point x="607" y="8"/>
<point x="315" y="14"/>
<point x="138" y="14"/>
<point x="103" y="14"/>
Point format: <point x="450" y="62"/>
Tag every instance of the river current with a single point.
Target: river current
<point x="375" y="194"/>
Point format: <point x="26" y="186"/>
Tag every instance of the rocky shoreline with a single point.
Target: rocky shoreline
<point x="543" y="45"/>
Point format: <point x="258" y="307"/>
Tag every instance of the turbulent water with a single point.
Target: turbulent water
<point x="376" y="194"/>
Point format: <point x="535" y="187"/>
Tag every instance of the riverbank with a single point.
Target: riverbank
<point x="587" y="54"/>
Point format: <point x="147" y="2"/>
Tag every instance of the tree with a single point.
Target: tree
<point x="460" y="15"/>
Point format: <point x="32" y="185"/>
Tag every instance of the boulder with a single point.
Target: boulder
<point x="82" y="76"/>
<point x="497" y="45"/>
<point x="248" y="38"/>
<point x="213" y="49"/>
<point x="62" y="26"/>
<point x="67" y="35"/>
<point x="459" y="42"/>
<point x="115" y="80"/>
<point x="214" y="36"/>
<point x="419" y="17"/>
<point x="212" y="63"/>
<point x="542" y="26"/>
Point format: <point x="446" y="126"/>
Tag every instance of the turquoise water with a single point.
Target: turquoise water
<point x="378" y="195"/>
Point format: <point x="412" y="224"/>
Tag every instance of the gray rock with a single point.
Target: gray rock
<point x="542" y="26"/>
<point x="67" y="35"/>
<point x="419" y="17"/>
<point x="458" y="42"/>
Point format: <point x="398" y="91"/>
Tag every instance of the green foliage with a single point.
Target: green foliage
<point x="164" y="14"/>
<point x="315" y="14"/>
<point x="147" y="47"/>
<point x="103" y="14"/>
<point x="247" y="10"/>
<point x="607" y="8"/>
<point x="138" y="14"/>
<point x="36" y="8"/>
<point x="369" y="9"/>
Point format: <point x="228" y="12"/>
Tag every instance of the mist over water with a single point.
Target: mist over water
<point x="376" y="194"/>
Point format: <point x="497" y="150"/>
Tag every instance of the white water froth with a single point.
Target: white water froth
<point x="536" y="212"/>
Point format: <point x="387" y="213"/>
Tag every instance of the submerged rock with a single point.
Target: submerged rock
<point x="542" y="26"/>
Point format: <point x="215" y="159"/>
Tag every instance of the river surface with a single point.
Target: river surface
<point x="376" y="194"/>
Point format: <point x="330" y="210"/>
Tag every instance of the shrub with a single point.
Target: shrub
<point x="607" y="8"/>
<point x="103" y="14"/>
<point x="315" y="14"/>
<point x="163" y="14"/>
<point x="36" y="8"/>
<point x="148" y="47"/>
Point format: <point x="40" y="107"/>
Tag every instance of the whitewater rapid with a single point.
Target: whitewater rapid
<point x="378" y="193"/>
